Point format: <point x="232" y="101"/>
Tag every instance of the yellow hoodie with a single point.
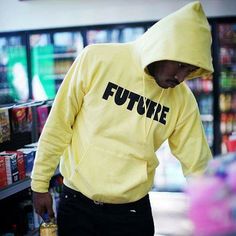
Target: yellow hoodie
<point x="103" y="133"/>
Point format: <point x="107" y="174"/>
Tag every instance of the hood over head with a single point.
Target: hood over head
<point x="182" y="36"/>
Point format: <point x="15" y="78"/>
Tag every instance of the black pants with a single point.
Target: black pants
<point x="80" y="216"/>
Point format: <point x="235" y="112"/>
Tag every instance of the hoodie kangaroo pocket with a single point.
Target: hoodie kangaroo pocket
<point x="105" y="173"/>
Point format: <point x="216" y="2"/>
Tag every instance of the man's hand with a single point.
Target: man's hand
<point x="43" y="204"/>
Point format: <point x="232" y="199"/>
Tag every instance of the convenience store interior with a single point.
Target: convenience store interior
<point x="40" y="39"/>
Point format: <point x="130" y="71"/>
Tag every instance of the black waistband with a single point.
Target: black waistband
<point x="140" y="203"/>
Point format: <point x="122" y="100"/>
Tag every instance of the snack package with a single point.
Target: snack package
<point x="4" y="125"/>
<point x="21" y="118"/>
<point x="212" y="198"/>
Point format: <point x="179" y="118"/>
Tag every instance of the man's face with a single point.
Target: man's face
<point x="169" y="74"/>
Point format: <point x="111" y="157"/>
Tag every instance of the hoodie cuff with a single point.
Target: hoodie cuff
<point x="39" y="186"/>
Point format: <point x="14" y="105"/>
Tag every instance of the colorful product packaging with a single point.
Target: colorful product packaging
<point x="42" y="112"/>
<point x="4" y="125"/>
<point x="20" y="163"/>
<point x="29" y="155"/>
<point x="3" y="172"/>
<point x="21" y="118"/>
<point x="10" y="160"/>
<point x="212" y="198"/>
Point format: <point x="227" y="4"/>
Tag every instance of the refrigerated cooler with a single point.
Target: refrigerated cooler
<point x="52" y="54"/>
<point x="121" y="34"/>
<point x="14" y="84"/>
<point x="202" y="88"/>
<point x="227" y="81"/>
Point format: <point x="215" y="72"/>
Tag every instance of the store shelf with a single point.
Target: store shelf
<point x="18" y="186"/>
<point x="206" y="117"/>
<point x="229" y="64"/>
<point x="201" y="92"/>
<point x="14" y="188"/>
<point x="55" y="76"/>
<point x="58" y="56"/>
<point x="228" y="90"/>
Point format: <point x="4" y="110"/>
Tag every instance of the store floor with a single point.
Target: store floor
<point x="169" y="213"/>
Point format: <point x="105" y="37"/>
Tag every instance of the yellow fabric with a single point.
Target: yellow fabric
<point x="183" y="36"/>
<point x="98" y="128"/>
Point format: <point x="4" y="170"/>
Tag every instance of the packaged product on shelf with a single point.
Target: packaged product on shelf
<point x="21" y="119"/>
<point x="207" y="84"/>
<point x="229" y="125"/>
<point x="42" y="112"/>
<point x="20" y="163"/>
<point x="11" y="167"/>
<point x="208" y="127"/>
<point x="233" y="102"/>
<point x="234" y="122"/>
<point x="227" y="33"/>
<point x="29" y="155"/>
<point x="231" y="143"/>
<point x="3" y="172"/>
<point x="4" y="125"/>
<point x="223" y="123"/>
<point x="225" y="57"/>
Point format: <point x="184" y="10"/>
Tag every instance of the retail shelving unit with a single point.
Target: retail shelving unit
<point x="18" y="186"/>
<point x="14" y="188"/>
<point x="226" y="31"/>
<point x="203" y="91"/>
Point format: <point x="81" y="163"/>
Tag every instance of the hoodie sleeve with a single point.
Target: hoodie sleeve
<point x="57" y="131"/>
<point x="189" y="145"/>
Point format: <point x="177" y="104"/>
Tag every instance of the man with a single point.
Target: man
<point x="116" y="106"/>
